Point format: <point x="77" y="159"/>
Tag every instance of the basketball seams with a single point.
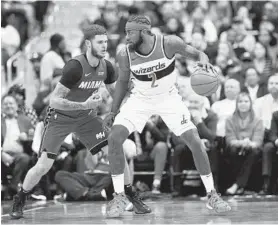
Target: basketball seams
<point x="204" y="83"/>
<point x="201" y="74"/>
<point x="208" y="91"/>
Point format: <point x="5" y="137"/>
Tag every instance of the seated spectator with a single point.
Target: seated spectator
<point x="154" y="147"/>
<point x="92" y="184"/>
<point x="19" y="93"/>
<point x="206" y="121"/>
<point x="266" y="105"/>
<point x="226" y="107"/>
<point x="269" y="150"/>
<point x="244" y="137"/>
<point x="243" y="41"/>
<point x="262" y="63"/>
<point x="52" y="62"/>
<point x="15" y="130"/>
<point x="95" y="183"/>
<point x="10" y="37"/>
<point x="252" y="85"/>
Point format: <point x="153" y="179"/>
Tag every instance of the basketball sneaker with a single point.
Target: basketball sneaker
<point x="139" y="206"/>
<point x="17" y="208"/>
<point x="117" y="205"/>
<point x="217" y="203"/>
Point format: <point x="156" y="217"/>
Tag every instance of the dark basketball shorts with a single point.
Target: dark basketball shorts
<point x="58" y="126"/>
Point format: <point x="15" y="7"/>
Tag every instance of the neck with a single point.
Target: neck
<point x="147" y="46"/>
<point x="252" y="85"/>
<point x="243" y="115"/>
<point x="274" y="96"/>
<point x="93" y="61"/>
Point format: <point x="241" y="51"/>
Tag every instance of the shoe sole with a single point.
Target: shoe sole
<point x="218" y="211"/>
<point x="115" y="213"/>
<point x="15" y="217"/>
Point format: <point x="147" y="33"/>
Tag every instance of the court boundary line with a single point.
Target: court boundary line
<point x="28" y="210"/>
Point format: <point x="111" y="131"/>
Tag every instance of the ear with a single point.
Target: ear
<point x="87" y="43"/>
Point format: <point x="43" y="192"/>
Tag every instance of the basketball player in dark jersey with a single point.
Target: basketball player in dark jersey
<point x="72" y="108"/>
<point x="149" y="60"/>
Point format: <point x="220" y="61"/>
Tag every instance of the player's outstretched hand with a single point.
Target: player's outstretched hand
<point x="108" y="121"/>
<point x="206" y="66"/>
<point x="93" y="101"/>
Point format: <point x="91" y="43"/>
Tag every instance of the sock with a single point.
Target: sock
<point x="118" y="183"/>
<point x="156" y="183"/>
<point x="22" y="194"/>
<point x="128" y="190"/>
<point x="208" y="182"/>
<point x="103" y="193"/>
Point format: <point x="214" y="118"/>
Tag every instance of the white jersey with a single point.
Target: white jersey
<point x="152" y="74"/>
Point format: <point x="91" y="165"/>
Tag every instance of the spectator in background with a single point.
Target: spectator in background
<point x="244" y="138"/>
<point x="88" y="186"/>
<point x="269" y="150"/>
<point x="10" y="37"/>
<point x="173" y="26"/>
<point x="266" y="105"/>
<point x="243" y="41"/>
<point x="262" y="63"/>
<point x="19" y="93"/>
<point x="227" y="106"/>
<point x="199" y="19"/>
<point x="252" y="85"/>
<point x="52" y="62"/>
<point x="267" y="38"/>
<point x="154" y="148"/>
<point x="15" y="129"/>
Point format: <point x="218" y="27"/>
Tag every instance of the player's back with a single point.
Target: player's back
<point x="152" y="74"/>
<point x="90" y="81"/>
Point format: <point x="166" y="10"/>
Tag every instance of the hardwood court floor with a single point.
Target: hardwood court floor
<point x="165" y="211"/>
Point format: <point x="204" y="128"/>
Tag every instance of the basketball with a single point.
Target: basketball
<point x="204" y="83"/>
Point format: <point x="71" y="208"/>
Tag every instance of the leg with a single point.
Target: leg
<point x="131" y="118"/>
<point x="179" y="122"/>
<point x="21" y="163"/>
<point x="56" y="129"/>
<point x="267" y="162"/>
<point x="159" y="155"/>
<point x="74" y="184"/>
<point x="246" y="168"/>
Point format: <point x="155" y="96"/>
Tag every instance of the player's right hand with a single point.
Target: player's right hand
<point x="108" y="121"/>
<point x="93" y="101"/>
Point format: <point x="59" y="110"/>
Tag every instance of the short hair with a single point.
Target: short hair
<point x="17" y="89"/>
<point x="91" y="31"/>
<point x="55" y="40"/>
<point x="139" y="19"/>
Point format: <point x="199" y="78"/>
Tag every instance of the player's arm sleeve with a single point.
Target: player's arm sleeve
<point x="71" y="74"/>
<point x="111" y="78"/>
<point x="70" y="77"/>
<point x="175" y="45"/>
<point x="123" y="80"/>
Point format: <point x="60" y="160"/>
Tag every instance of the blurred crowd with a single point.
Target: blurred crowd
<point x="238" y="124"/>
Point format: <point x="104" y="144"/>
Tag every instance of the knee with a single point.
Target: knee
<point x="43" y="166"/>
<point x="24" y="159"/>
<point x="268" y="148"/>
<point x="161" y="148"/>
<point x="59" y="175"/>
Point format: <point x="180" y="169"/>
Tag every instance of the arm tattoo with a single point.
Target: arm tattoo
<point x="58" y="100"/>
<point x="111" y="89"/>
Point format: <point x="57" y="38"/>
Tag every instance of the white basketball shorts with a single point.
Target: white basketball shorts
<point x="136" y="111"/>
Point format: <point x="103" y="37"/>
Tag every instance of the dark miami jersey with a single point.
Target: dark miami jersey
<point x="83" y="80"/>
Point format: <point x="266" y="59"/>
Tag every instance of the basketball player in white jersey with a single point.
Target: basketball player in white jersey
<point x="150" y="60"/>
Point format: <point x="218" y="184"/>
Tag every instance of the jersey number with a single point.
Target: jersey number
<point x="153" y="76"/>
